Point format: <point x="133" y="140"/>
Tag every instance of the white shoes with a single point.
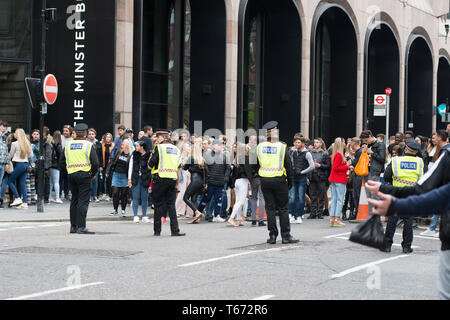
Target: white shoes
<point x="298" y="220"/>
<point x="430" y="233"/>
<point x="145" y="220"/>
<point x="16" y="202"/>
<point x="136" y="219"/>
<point x="123" y="213"/>
<point x="58" y="201"/>
<point x="23" y="206"/>
<point x="218" y="219"/>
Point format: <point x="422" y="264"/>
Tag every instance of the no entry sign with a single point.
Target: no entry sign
<point x="388" y="91"/>
<point x="50" y="89"/>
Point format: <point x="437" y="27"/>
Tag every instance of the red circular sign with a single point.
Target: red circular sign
<point x="388" y="91"/>
<point x="50" y="89"/>
<point x="380" y="100"/>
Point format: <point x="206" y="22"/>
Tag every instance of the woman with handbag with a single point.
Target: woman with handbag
<point x="185" y="178"/>
<point x="20" y="152"/>
<point x="195" y="164"/>
<point x="338" y="180"/>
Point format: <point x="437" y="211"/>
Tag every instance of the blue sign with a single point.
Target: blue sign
<point x="442" y="109"/>
<point x="408" y="165"/>
<point x="270" y="150"/>
<point x="171" y="151"/>
<point x="76" y="146"/>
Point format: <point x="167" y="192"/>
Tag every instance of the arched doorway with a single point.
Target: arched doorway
<point x="270" y="66"/>
<point x="179" y="63"/>
<point x="334" y="51"/>
<point x="443" y="89"/>
<point x="419" y="86"/>
<point x="382" y="70"/>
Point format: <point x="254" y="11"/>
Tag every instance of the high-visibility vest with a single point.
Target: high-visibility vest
<point x="407" y="170"/>
<point x="271" y="159"/>
<point x="77" y="154"/>
<point x="169" y="161"/>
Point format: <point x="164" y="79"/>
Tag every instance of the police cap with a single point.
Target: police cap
<point x="81" y="127"/>
<point x="270" y="125"/>
<point x="128" y="130"/>
<point x="162" y="131"/>
<point x="412" y="144"/>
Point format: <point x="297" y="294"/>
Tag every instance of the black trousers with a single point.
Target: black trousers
<point x="276" y="196"/>
<point x="120" y="194"/>
<point x="357" y="183"/>
<point x="407" y="231"/>
<point x="80" y="186"/>
<point x="164" y="196"/>
<point x="317" y="191"/>
<point x="193" y="191"/>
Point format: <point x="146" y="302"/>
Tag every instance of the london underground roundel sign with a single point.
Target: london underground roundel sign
<point x="50" y="89"/>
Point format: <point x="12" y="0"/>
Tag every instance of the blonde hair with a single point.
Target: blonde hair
<point x="338" y="147"/>
<point x="24" y="143"/>
<point x="197" y="154"/>
<point x="129" y="144"/>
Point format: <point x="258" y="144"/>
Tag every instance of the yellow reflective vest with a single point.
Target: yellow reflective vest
<point x="407" y="170"/>
<point x="271" y="159"/>
<point x="77" y="153"/>
<point x="169" y="161"/>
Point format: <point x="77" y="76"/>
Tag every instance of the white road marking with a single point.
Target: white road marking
<point x="365" y="266"/>
<point x="266" y="297"/>
<point x="236" y="255"/>
<point x="337" y="235"/>
<point x="44" y="293"/>
<point x="422" y="237"/>
<point x="10" y="227"/>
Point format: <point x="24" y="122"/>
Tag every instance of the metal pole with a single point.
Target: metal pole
<point x="41" y="170"/>
<point x="386" y="138"/>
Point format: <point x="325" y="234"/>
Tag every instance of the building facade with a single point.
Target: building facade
<point x="314" y="66"/>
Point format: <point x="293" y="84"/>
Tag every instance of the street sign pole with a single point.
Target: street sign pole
<point x="386" y="138"/>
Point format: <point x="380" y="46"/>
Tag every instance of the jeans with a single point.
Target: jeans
<point x="214" y="193"/>
<point x="19" y="174"/>
<point x="4" y="185"/>
<point x="337" y="198"/>
<point x="297" y="197"/>
<point x="443" y="282"/>
<point x="2" y="172"/>
<point x="140" y="193"/>
<point x="434" y="222"/>
<point x="54" y="182"/>
<point x="94" y="186"/>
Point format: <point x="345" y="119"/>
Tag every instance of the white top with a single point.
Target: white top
<point x="14" y="154"/>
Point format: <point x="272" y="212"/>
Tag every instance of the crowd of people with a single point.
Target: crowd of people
<point x="217" y="180"/>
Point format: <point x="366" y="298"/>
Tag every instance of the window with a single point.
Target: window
<point x="15" y="29"/>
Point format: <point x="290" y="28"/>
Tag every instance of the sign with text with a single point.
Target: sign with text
<point x="379" y="105"/>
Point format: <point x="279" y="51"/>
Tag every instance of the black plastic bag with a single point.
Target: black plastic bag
<point x="369" y="233"/>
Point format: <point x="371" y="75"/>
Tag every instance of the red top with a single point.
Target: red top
<point x="338" y="170"/>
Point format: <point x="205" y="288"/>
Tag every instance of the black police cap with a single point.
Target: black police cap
<point x="162" y="131"/>
<point x="412" y="144"/>
<point x="81" y="127"/>
<point x="270" y="125"/>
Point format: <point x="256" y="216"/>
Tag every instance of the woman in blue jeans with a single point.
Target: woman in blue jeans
<point x="139" y="177"/>
<point x="20" y="152"/>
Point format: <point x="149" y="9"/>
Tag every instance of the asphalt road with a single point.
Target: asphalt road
<point x="41" y="260"/>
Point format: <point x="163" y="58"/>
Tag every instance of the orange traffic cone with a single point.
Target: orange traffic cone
<point x="265" y="215"/>
<point x="363" y="209"/>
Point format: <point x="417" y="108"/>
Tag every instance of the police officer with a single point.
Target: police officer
<point x="275" y="170"/>
<point x="81" y="162"/>
<point x="403" y="171"/>
<point x="165" y="163"/>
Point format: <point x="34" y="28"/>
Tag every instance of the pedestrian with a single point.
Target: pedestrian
<point x="195" y="164"/>
<point x="4" y="161"/>
<point x="402" y="172"/>
<point x="118" y="139"/>
<point x="81" y="163"/>
<point x="338" y="180"/>
<point x="97" y="147"/>
<point x="185" y="179"/>
<point x="217" y="177"/>
<point x="377" y="153"/>
<point x="241" y="172"/>
<point x="398" y="141"/>
<point x="21" y="151"/>
<point x="319" y="179"/>
<point x="147" y="137"/>
<point x="165" y="163"/>
<point x="54" y="170"/>
<point x="105" y="161"/>
<point x="302" y="163"/>
<point x="355" y="145"/>
<point x="49" y="160"/>
<point x="257" y="203"/>
<point x="118" y="170"/>
<point x="437" y="177"/>
<point x="139" y="177"/>
<point x="63" y="180"/>
<point x="275" y="169"/>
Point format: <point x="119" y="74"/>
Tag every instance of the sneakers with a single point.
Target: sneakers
<point x="58" y="201"/>
<point x="23" y="206"/>
<point x="291" y="219"/>
<point x="299" y="220"/>
<point x="97" y="200"/>
<point x="16" y="202"/>
<point x="145" y="220"/>
<point x="123" y="213"/>
<point x="218" y="219"/>
<point x="136" y="219"/>
<point x="113" y="213"/>
<point x="430" y="233"/>
<point x="51" y="200"/>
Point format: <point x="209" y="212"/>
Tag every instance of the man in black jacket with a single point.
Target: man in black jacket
<point x="438" y="176"/>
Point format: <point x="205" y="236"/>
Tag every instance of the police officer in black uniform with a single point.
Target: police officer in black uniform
<point x="276" y="189"/>
<point x="75" y="161"/>
<point x="164" y="190"/>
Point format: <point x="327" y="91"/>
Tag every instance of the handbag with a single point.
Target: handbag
<point x="369" y="233"/>
<point x="10" y="167"/>
<point x="362" y="168"/>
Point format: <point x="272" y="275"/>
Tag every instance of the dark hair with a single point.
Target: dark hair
<point x="397" y="148"/>
<point x="302" y="139"/>
<point x="68" y="127"/>
<point x="442" y="134"/>
<point x="409" y="133"/>
<point x="121" y="127"/>
<point x="93" y="130"/>
<point x="46" y="131"/>
<point x="3" y="123"/>
<point x="147" y="128"/>
<point x="366" y="134"/>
